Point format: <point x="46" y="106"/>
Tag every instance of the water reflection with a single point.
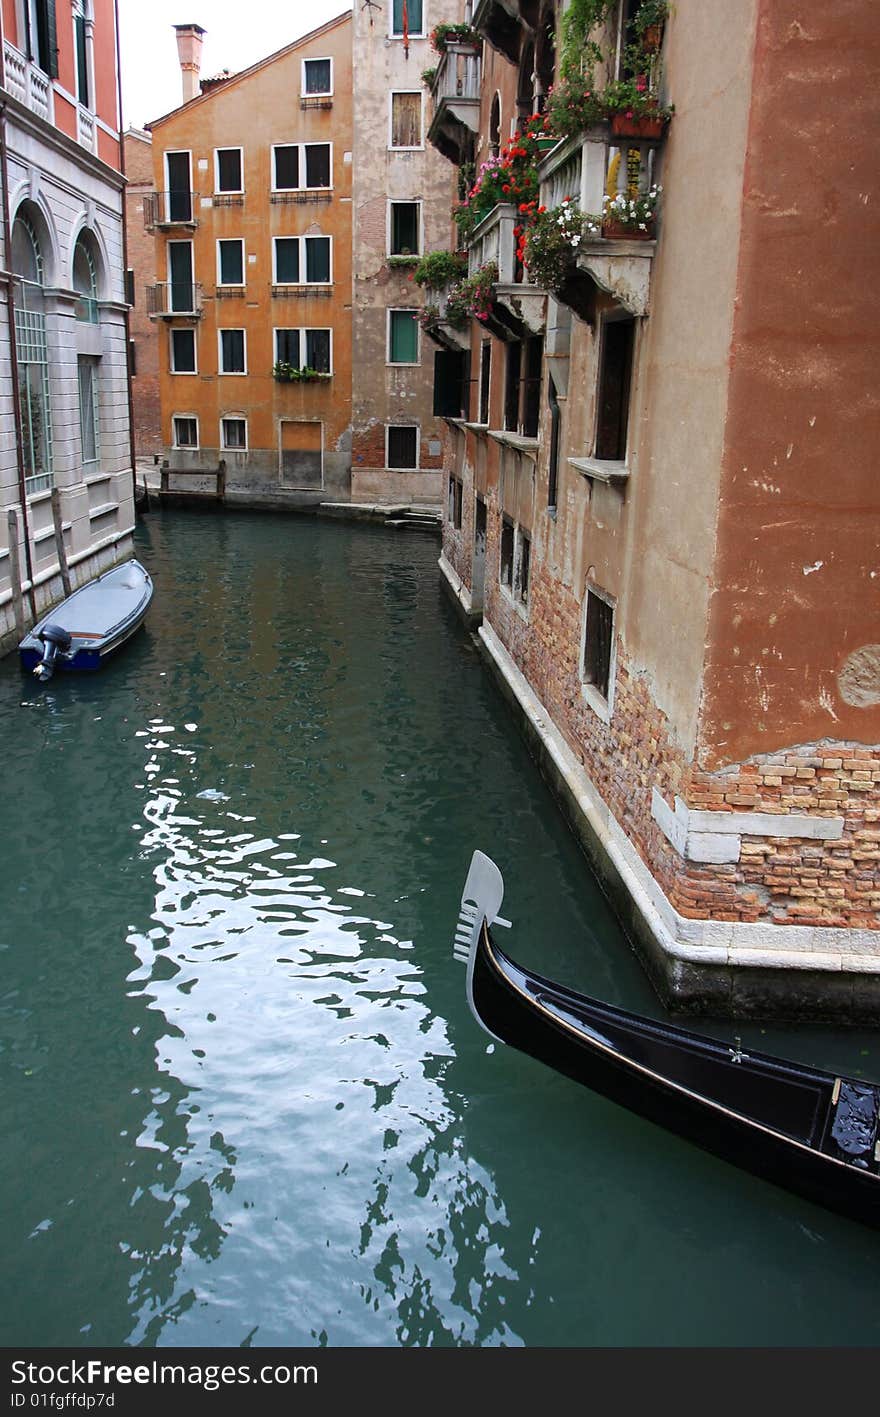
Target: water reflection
<point x="242" y="1099"/>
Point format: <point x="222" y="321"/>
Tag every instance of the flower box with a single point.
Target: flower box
<point x="620" y="231"/>
<point x="636" y="127"/>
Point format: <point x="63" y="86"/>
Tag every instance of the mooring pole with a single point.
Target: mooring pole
<point x="60" y="549"/>
<point x="15" y="572"/>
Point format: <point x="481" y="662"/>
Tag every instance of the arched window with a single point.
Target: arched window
<point x="31" y="358"/>
<point x="495" y="127"/>
<point x="85" y="278"/>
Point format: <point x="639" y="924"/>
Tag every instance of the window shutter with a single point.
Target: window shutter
<point x="52" y="39"/>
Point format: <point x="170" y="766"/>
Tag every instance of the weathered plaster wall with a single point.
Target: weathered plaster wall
<point x="793" y="649"/>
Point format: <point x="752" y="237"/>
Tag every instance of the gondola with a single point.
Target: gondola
<point x="90" y="624"/>
<point x="803" y="1129"/>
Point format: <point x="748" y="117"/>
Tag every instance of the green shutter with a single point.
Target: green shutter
<point x="51" y="40"/>
<point x="404" y="337"/>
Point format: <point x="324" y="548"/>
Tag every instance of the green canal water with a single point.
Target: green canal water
<point x="242" y="1100"/>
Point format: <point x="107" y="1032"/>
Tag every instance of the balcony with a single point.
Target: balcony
<point x="26" y="82"/>
<point x="585" y="168"/>
<point x="169" y="211"/>
<point x="456" y="95"/>
<point x="499" y="22"/>
<point x="519" y="308"/>
<point x="86" y="129"/>
<point x="167" y="299"/>
<point x="436" y="323"/>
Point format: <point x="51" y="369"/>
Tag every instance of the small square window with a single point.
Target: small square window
<point x="183" y="351"/>
<point x="317" y="77"/>
<point x="403" y="446"/>
<point x="228" y="170"/>
<point x="403" y="337"/>
<point x="186" y="432"/>
<point x="598" y="643"/>
<point x="233" y="432"/>
<point x="232" y="352"/>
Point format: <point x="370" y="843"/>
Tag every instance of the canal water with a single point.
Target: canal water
<point x="242" y="1101"/>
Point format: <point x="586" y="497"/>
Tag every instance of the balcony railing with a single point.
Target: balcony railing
<point x="586" y="169"/>
<point x="86" y="128"/>
<point x="493" y="239"/>
<point x="27" y="83"/>
<point x="456" y="94"/>
<point x="168" y="298"/>
<point x="168" y="209"/>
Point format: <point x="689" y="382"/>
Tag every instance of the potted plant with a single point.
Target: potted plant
<point x="438" y="269"/>
<point x="573" y="105"/>
<point x="552" y="241"/>
<point x="630" y="215"/>
<point x="648" y="24"/>
<point x="428" y="77"/>
<point x="633" y="110"/>
<point x="444" y="34"/>
<point x="472" y="297"/>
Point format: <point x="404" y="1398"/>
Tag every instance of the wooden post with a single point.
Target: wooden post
<point x="15" y="573"/>
<point x="221" y="481"/>
<point x="60" y="549"/>
<point x="164" y="478"/>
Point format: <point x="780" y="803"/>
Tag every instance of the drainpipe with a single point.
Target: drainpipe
<point x="131" y="440"/>
<point x="13" y="351"/>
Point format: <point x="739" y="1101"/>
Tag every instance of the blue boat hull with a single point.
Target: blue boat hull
<point x="79" y="634"/>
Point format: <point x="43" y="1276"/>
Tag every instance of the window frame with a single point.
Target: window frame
<point x="411" y="467"/>
<point x="302" y="263"/>
<point x="275" y="190"/>
<point x="389" y="243"/>
<point x="400" y="147"/>
<point x="93" y="365"/>
<point x="231" y="373"/>
<point x="601" y="375"/>
<point x="316" y="59"/>
<point x="182" y="330"/>
<point x="601" y="704"/>
<point x="407" y="363"/>
<point x="413" y="34"/>
<point x="302" y="331"/>
<point x="233" y="418"/>
<point x="228" y="191"/>
<point x="184" y="447"/>
<point x="508" y="528"/>
<point x="231" y="284"/>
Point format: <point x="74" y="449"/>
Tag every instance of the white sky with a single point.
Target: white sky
<point x="236" y="35"/>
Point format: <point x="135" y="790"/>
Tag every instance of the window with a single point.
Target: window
<point x="317" y="78"/>
<point x="87" y="370"/>
<point x="230" y="262"/>
<point x="178" y="175"/>
<point x="183" y="351"/>
<point x="511" y="386"/>
<point x="31" y="355"/>
<point x="506" y="557"/>
<point x="615" y="375"/>
<point x="405" y="233"/>
<point x="40" y="39"/>
<point x="495" y="127"/>
<point x="451" y="385"/>
<point x="82" y="55"/>
<point x="598" y="642"/>
<point x="232" y="352"/>
<point x="523" y="564"/>
<point x="301" y="260"/>
<point x="180" y="277"/>
<point x="300" y="166"/>
<point x="227" y="170"/>
<point x="186" y="432"/>
<point x="450" y="500"/>
<point x="233" y="434"/>
<point x="85" y="279"/>
<point x="553" y="458"/>
<point x="406" y="120"/>
<point x="414" y="17"/>
<point x="403" y="337"/>
<point x="309" y="349"/>
<point x="402" y="446"/>
<point x="485" y="372"/>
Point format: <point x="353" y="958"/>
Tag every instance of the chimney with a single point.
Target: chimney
<point x="189" y="52"/>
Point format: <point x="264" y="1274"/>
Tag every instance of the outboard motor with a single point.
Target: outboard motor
<point x="56" y="640"/>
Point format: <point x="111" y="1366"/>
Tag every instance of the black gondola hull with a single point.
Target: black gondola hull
<point x="791" y="1106"/>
